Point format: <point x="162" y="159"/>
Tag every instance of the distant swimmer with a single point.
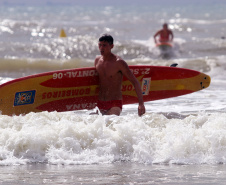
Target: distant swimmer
<point x="165" y="35"/>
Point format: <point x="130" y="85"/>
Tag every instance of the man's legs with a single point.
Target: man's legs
<point x="114" y="110"/>
<point x="110" y="107"/>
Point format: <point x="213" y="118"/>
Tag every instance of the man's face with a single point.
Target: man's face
<point x="165" y="27"/>
<point x="105" y="47"/>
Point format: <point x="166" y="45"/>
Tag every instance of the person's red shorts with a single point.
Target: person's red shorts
<point x="107" y="105"/>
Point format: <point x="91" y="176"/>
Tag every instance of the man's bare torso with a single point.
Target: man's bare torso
<point x="164" y="35"/>
<point x="110" y="78"/>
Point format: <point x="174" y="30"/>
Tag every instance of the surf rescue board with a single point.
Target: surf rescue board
<point x="77" y="89"/>
<point x="164" y="45"/>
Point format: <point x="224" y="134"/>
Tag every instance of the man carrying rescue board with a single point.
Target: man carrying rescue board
<point x="111" y="69"/>
<point x="165" y="35"/>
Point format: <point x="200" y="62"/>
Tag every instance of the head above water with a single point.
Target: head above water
<point x="107" y="38"/>
<point x="165" y="26"/>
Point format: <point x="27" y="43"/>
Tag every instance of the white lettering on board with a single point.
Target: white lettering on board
<point x="80" y="106"/>
<point x="74" y="74"/>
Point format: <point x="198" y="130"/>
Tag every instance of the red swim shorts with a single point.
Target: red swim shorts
<point x="107" y="105"/>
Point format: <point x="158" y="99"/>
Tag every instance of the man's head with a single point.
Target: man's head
<point x="107" y="38"/>
<point x="106" y="44"/>
<point x="165" y="26"/>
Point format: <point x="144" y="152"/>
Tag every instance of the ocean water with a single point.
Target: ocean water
<point x="179" y="140"/>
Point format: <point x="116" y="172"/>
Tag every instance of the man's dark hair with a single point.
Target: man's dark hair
<point x="107" y="38"/>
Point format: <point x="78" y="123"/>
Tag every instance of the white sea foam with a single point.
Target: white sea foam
<point x="71" y="138"/>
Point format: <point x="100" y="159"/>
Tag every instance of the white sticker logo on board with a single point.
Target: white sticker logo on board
<point x="146" y="83"/>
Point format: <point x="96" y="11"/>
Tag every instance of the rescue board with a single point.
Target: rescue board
<point x="164" y="44"/>
<point x="77" y="89"/>
<point x="166" y="50"/>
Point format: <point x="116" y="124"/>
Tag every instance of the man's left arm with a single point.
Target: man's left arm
<point x="129" y="75"/>
<point x="171" y="33"/>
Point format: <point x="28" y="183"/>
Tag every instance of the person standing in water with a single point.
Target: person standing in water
<point x="165" y="35"/>
<point x="111" y="69"/>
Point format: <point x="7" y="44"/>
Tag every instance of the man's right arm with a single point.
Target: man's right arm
<point x="95" y="61"/>
<point x="157" y="33"/>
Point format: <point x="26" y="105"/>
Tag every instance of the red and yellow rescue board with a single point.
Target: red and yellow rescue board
<point x="164" y="44"/>
<point x="77" y="89"/>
